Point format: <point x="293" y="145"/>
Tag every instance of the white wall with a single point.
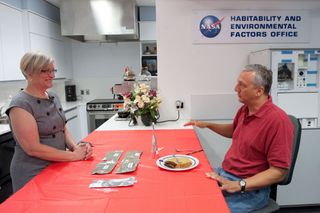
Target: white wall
<point x="185" y="69"/>
<point x="98" y="66"/>
<point x="11" y="88"/>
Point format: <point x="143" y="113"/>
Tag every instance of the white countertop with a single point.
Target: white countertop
<point x="114" y="124"/>
<point x="4" y="128"/>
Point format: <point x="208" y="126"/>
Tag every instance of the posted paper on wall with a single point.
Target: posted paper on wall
<point x="250" y="26"/>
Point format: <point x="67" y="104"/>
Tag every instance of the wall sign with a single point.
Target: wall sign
<point x="251" y="26"/>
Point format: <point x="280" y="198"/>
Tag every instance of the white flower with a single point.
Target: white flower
<point x="137" y="100"/>
<point x="127" y="103"/>
<point x="142" y="100"/>
<point x="143" y="88"/>
<point x="141" y="104"/>
<point x="145" y="98"/>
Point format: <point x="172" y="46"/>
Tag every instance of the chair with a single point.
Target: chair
<point x="272" y="205"/>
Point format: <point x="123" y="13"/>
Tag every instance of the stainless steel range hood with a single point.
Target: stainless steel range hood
<point x="99" y="20"/>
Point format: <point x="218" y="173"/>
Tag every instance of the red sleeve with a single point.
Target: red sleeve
<point x="280" y="143"/>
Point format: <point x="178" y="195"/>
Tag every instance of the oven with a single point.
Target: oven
<point x="101" y="110"/>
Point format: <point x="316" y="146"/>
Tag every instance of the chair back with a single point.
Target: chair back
<point x="272" y="205"/>
<point x="295" y="149"/>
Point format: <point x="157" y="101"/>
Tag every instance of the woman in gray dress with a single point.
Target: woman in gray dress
<point x="38" y="123"/>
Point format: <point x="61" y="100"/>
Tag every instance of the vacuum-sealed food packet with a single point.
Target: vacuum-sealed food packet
<point x="129" y="162"/>
<point x="109" y="162"/>
<point x="133" y="154"/>
<point x="127" y="165"/>
<point x="104" y="167"/>
<point x="113" y="155"/>
<point x="113" y="182"/>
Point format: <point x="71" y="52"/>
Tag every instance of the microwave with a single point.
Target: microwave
<point x="151" y="63"/>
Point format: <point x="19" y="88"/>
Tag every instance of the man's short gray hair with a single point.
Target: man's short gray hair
<point x="263" y="76"/>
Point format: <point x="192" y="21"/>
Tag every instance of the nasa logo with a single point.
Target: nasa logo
<point x="210" y="26"/>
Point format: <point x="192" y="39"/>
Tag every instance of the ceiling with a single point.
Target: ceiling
<point x="139" y="2"/>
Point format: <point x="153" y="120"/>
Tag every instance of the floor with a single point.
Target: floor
<point x="300" y="209"/>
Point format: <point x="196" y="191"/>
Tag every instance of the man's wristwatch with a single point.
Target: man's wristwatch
<point x="242" y="184"/>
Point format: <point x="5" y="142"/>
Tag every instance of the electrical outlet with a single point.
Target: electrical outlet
<point x="87" y="92"/>
<point x="179" y="104"/>
<point x="82" y="92"/>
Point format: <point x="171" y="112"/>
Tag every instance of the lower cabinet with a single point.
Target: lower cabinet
<point x="7" y="144"/>
<point x="73" y="123"/>
<point x="304" y="188"/>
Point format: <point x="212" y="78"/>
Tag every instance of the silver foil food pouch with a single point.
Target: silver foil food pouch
<point x="109" y="162"/>
<point x="113" y="182"/>
<point x="129" y="162"/>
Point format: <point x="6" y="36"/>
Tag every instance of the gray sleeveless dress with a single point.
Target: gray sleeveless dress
<point x="51" y="121"/>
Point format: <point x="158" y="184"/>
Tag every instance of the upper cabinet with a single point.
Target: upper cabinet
<point x="45" y="36"/>
<point x="148" y="39"/>
<point x="147" y="30"/>
<point x="147" y="23"/>
<point x="22" y="31"/>
<point x="12" y="45"/>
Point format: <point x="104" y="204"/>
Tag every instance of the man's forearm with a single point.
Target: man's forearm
<point x="225" y="130"/>
<point x="266" y="178"/>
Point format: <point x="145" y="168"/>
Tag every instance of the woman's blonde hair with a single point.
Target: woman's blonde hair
<point x="33" y="62"/>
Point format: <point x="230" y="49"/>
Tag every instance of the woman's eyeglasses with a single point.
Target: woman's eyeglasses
<point x="48" y="71"/>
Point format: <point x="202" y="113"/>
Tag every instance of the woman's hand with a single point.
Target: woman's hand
<point x="89" y="151"/>
<point x="80" y="152"/>
<point x="88" y="148"/>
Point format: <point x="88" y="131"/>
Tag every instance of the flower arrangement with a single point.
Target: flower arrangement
<point x="142" y="101"/>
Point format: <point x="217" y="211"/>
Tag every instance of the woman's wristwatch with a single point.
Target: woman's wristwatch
<point x="242" y="184"/>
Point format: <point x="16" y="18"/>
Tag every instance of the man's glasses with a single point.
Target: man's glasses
<point x="48" y="71"/>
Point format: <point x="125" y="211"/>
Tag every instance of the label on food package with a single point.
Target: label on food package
<point x="129" y="162"/>
<point x="113" y="155"/>
<point x="109" y="162"/>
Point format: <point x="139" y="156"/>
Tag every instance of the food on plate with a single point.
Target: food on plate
<point x="170" y="164"/>
<point x="178" y="162"/>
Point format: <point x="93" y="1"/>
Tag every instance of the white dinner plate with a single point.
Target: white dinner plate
<point x="160" y="162"/>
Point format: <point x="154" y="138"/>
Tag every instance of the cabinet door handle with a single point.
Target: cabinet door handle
<point x="73" y="117"/>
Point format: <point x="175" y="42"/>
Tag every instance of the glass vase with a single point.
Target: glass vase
<point x="146" y="119"/>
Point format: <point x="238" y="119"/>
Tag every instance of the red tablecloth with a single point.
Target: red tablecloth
<point x="63" y="187"/>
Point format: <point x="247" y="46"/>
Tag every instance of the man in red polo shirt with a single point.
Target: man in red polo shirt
<point x="260" y="153"/>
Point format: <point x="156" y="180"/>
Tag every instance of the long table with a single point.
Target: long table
<point x="63" y="187"/>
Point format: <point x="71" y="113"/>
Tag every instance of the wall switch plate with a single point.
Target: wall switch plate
<point x="87" y="92"/>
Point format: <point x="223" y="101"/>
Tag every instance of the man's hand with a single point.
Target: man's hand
<point x="225" y="184"/>
<point x="200" y="124"/>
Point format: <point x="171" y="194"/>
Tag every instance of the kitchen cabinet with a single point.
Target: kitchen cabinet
<point x="53" y="48"/>
<point x="147" y="30"/>
<point x="148" y="50"/>
<point x="7" y="144"/>
<point x="73" y="123"/>
<point x="11" y="43"/>
<point x="44" y="36"/>
<point x="82" y="112"/>
<point x="149" y="56"/>
<point x="302" y="190"/>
